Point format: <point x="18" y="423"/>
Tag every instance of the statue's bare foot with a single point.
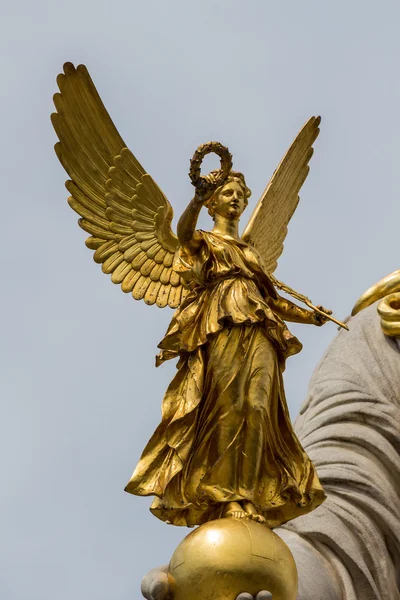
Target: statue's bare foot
<point x="237" y="514"/>
<point x="252" y="512"/>
<point x="258" y="518"/>
<point x="234" y="510"/>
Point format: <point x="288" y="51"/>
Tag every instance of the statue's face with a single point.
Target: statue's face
<point x="230" y="201"/>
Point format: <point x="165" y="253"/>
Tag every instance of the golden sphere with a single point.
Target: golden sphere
<point x="226" y="557"/>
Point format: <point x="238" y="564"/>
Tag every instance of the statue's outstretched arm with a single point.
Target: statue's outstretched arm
<point x="289" y="311"/>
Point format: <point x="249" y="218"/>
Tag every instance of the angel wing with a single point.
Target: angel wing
<point x="125" y="212"/>
<point x="267" y="227"/>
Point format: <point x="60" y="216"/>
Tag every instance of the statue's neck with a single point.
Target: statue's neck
<point x="225" y="226"/>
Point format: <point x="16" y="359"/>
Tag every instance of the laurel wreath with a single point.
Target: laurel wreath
<point x="199" y="181"/>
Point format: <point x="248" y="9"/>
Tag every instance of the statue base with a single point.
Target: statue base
<point x="227" y="557"/>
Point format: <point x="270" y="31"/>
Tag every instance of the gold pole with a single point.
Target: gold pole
<point x="285" y="288"/>
<point x="321" y="312"/>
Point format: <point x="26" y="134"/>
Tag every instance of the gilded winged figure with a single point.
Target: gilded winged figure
<point x="225" y="446"/>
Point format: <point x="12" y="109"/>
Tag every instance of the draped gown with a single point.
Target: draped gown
<point x="225" y="433"/>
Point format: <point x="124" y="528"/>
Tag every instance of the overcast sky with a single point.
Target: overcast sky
<point x="79" y="391"/>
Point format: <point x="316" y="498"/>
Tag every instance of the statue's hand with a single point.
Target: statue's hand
<point x="318" y="318"/>
<point x="155" y="585"/>
<point x="208" y="187"/>
<point x="263" y="595"/>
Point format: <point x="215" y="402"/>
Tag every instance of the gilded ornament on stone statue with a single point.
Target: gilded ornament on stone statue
<point x="225" y="446"/>
<point x="387" y="290"/>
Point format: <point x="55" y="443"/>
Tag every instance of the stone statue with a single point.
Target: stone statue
<point x="225" y="447"/>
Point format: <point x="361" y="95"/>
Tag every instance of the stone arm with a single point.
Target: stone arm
<point x="349" y="547"/>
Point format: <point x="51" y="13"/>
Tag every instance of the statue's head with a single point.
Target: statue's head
<point x="230" y="199"/>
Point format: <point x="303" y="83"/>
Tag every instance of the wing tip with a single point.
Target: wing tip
<point x="57" y="97"/>
<point x="58" y="151"/>
<point x="81" y="68"/>
<point x="70" y="69"/>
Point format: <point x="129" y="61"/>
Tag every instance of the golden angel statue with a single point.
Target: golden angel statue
<point x="225" y="446"/>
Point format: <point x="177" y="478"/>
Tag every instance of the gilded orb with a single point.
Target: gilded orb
<point x="226" y="557"/>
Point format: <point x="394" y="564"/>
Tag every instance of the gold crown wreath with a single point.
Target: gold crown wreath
<point x="221" y="175"/>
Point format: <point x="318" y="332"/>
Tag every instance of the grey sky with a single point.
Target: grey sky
<point x="79" y="391"/>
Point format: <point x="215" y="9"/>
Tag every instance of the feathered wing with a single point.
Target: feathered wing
<point x="267" y="227"/>
<point x="125" y="212"/>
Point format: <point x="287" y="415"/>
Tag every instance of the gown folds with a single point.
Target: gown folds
<point x="225" y="433"/>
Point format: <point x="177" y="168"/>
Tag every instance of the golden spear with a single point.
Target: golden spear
<point x="285" y="288"/>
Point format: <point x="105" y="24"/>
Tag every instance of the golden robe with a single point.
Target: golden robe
<point x="225" y="433"/>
